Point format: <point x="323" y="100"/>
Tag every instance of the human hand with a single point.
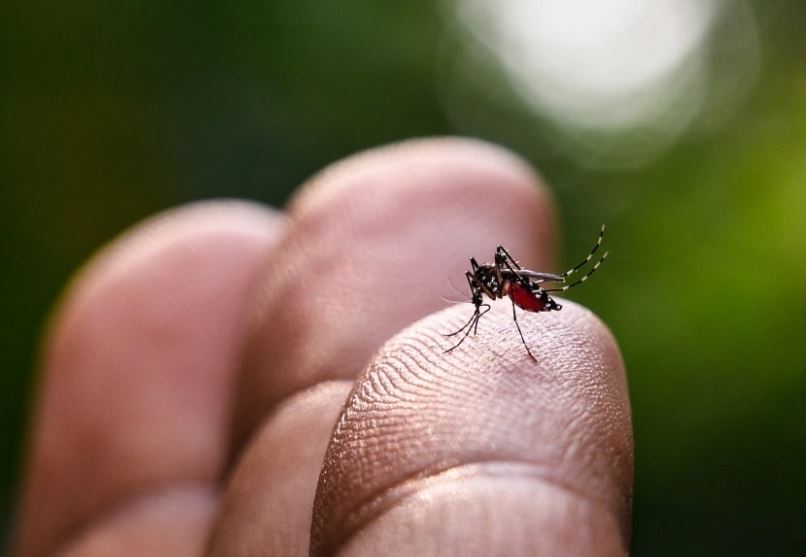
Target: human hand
<point x="196" y="368"/>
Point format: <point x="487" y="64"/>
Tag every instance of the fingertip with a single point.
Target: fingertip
<point x="138" y="365"/>
<point x="417" y="412"/>
<point x="459" y="165"/>
<point x="209" y="221"/>
<point x="428" y="182"/>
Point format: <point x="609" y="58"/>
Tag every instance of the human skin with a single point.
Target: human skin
<point x="206" y="388"/>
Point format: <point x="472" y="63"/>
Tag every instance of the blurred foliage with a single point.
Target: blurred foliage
<point x="112" y="111"/>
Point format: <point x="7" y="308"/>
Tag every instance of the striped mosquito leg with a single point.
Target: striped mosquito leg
<point x="598" y="243"/>
<point x="502" y="251"/>
<point x="583" y="279"/>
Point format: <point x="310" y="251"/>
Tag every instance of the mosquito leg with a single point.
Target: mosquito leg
<point x="509" y="268"/>
<point x="598" y="243"/>
<point x="486" y="309"/>
<point x="502" y="251"/>
<point x="474" y="321"/>
<point x="472" y="324"/>
<point x="469" y="323"/>
<point x="503" y="258"/>
<point x="515" y="318"/>
<point x="583" y="279"/>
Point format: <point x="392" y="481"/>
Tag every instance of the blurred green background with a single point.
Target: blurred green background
<point x="682" y="125"/>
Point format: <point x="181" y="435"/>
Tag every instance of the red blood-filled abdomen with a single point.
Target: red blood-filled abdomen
<point x="524" y="299"/>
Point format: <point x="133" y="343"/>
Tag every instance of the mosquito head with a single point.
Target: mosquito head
<point x="485" y="277"/>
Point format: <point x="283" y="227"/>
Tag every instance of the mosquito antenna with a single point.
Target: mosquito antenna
<point x="583" y="279"/>
<point x="444" y="299"/>
<point x="576" y="268"/>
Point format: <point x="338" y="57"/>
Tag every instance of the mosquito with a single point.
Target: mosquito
<point x="506" y="277"/>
